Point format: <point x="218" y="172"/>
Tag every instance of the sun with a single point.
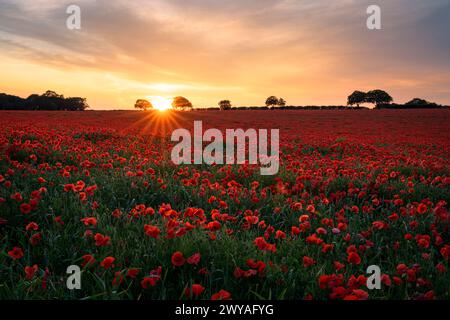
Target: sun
<point x="161" y="103"/>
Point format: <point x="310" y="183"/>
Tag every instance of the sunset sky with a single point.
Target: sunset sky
<point x="306" y="51"/>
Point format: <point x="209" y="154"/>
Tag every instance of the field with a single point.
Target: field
<point x="98" y="190"/>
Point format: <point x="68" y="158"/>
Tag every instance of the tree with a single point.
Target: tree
<point x="52" y="94"/>
<point x="281" y="102"/>
<point x="33" y="101"/>
<point x="417" y="102"/>
<point x="9" y="102"/>
<point x="271" y="101"/>
<point x="49" y="100"/>
<point x="75" y="104"/>
<point x="225" y="105"/>
<point x="143" y="104"/>
<point x="378" y="97"/>
<point x="181" y="103"/>
<point x="356" y="97"/>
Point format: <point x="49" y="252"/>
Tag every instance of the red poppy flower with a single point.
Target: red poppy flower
<point x="88" y="259"/>
<point x="386" y="280"/>
<point x="30" y="271"/>
<point x="194" y="259"/>
<point x="69" y="187"/>
<point x="90" y="190"/>
<point x="313" y="239"/>
<point x="152" y="231"/>
<point x="41" y="180"/>
<point x="132" y="273"/>
<point x="357" y="294"/>
<point x="422" y="208"/>
<point x="149" y="282"/>
<point x="213" y="226"/>
<point x="295" y="230"/>
<point x="280" y="235"/>
<point x="221" y="295"/>
<point x="353" y="258"/>
<point x="101" y="240"/>
<point x="260" y="266"/>
<point x="89" y="221"/>
<point x="118" y="278"/>
<point x="401" y="268"/>
<point x="308" y="261"/>
<point x="178" y="259"/>
<point x="35" y="239"/>
<point x="17" y="196"/>
<point x="195" y="290"/>
<point x="116" y="213"/>
<point x="25" y="208"/>
<point x="445" y="251"/>
<point x="326" y="247"/>
<point x="338" y="265"/>
<point x="108" y="262"/>
<point x="203" y="271"/>
<point x="16" y="253"/>
<point x="32" y="226"/>
<point x="59" y="220"/>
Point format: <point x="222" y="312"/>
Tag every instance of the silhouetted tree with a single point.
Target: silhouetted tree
<point x="9" y="102"/>
<point x="32" y="102"/>
<point x="356" y="97"/>
<point x="181" y="103"/>
<point x="52" y="94"/>
<point x="417" y="102"/>
<point x="143" y="104"/>
<point x="75" y="104"/>
<point x="49" y="100"/>
<point x="271" y="101"/>
<point x="378" y="97"/>
<point x="225" y="105"/>
<point x="281" y="102"/>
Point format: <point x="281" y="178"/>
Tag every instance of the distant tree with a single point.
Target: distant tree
<point x="9" y="102"/>
<point x="281" y="102"/>
<point x="49" y="100"/>
<point x="52" y="94"/>
<point x="378" y="97"/>
<point x="32" y="102"/>
<point x="143" y="104"/>
<point x="181" y="103"/>
<point x="225" y="105"/>
<point x="420" y="102"/>
<point x="271" y="101"/>
<point x="356" y="97"/>
<point x="417" y="101"/>
<point x="75" y="104"/>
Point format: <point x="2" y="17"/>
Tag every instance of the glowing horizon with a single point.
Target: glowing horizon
<point x="308" y="52"/>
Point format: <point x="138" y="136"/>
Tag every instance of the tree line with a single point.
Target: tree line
<point x="383" y="100"/>
<point x="181" y="103"/>
<point x="379" y="98"/>
<point x="49" y="100"/>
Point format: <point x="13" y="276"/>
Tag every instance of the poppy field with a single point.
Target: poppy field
<point x="97" y="190"/>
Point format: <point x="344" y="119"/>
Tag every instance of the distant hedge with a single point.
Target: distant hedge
<point x="50" y="100"/>
<point x="289" y="108"/>
<point x="409" y="106"/>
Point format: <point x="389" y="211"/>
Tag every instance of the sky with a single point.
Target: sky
<point x="310" y="52"/>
